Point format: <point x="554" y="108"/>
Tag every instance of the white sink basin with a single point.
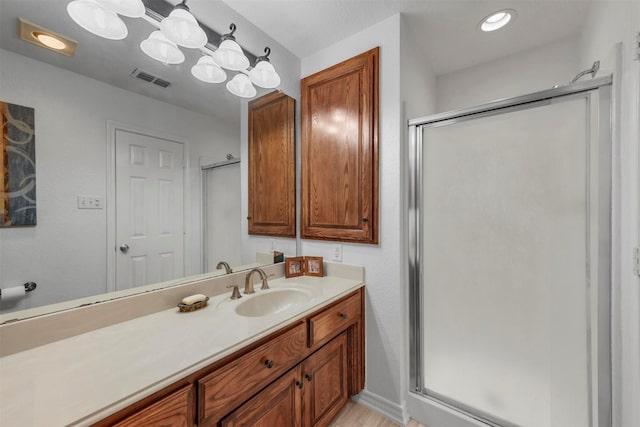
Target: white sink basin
<point x="272" y="302"/>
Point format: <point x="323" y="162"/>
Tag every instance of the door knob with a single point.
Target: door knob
<point x="124" y="248"/>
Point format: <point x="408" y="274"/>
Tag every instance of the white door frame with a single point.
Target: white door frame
<point x="112" y="128"/>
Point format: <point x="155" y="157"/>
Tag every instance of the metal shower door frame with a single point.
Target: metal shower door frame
<point x="604" y="189"/>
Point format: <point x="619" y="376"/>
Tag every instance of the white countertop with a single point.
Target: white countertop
<point x="82" y="379"/>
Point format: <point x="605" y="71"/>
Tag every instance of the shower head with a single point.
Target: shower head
<point x="593" y="70"/>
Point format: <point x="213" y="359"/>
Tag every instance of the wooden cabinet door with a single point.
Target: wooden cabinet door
<point x="224" y="389"/>
<point x="325" y="382"/>
<point x="277" y="405"/>
<point x="272" y="182"/>
<point x="340" y="151"/>
<point x="175" y="410"/>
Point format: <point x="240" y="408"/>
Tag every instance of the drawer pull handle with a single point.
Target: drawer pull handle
<point x="268" y="363"/>
<point x="365" y="219"/>
<point x="299" y="384"/>
<point x="309" y="377"/>
<point x="343" y="315"/>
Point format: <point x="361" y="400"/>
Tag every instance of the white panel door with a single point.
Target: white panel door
<point x="149" y="209"/>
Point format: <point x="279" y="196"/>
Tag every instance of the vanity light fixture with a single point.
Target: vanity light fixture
<point x="263" y="74"/>
<point x="160" y="48"/>
<point x="180" y="28"/>
<point x="130" y="8"/>
<point x="94" y="17"/>
<point x="229" y="54"/>
<point x="241" y="86"/>
<point x="208" y="71"/>
<point x="46" y="38"/>
<point x="497" y="20"/>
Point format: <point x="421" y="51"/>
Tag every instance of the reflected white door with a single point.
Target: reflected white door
<point x="149" y="209"/>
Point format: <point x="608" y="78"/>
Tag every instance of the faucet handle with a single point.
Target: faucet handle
<point x="265" y="285"/>
<point x="235" y="294"/>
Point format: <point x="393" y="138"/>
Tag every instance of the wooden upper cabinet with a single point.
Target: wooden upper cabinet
<point x="272" y="182"/>
<point x="340" y="151"/>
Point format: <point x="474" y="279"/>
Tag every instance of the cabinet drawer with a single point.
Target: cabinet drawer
<point x="334" y="319"/>
<point x="173" y="410"/>
<point x="225" y="389"/>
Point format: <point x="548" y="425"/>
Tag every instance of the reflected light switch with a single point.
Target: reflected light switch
<point x="90" y="202"/>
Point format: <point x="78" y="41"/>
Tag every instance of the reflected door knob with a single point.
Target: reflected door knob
<point x="124" y="248"/>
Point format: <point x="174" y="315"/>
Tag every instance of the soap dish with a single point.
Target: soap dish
<point x="192" y="307"/>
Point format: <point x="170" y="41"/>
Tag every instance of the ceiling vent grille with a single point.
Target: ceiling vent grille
<point x="148" y="77"/>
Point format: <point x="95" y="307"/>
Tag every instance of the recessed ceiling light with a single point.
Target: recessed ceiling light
<point x="497" y="20"/>
<point x="46" y="38"/>
<point x="49" y="40"/>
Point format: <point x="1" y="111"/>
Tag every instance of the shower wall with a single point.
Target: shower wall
<point x="530" y="71"/>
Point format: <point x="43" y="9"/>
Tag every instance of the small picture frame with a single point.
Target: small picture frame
<point x="294" y="266"/>
<point x="313" y="266"/>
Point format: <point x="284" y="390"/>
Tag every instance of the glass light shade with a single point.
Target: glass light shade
<point x="264" y="75"/>
<point x="229" y="55"/>
<point x="161" y="49"/>
<point x="182" y="28"/>
<point x="208" y="71"/>
<point x="131" y="8"/>
<point x="241" y="86"/>
<point x="95" y="18"/>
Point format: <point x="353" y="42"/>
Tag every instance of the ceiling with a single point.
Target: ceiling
<point x="445" y="29"/>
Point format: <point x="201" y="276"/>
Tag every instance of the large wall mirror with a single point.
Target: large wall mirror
<point x="103" y="130"/>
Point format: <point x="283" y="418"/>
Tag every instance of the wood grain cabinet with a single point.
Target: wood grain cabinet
<point x="340" y="151"/>
<point x="278" y="405"/>
<point x="173" y="410"/>
<point x="272" y="182"/>
<point x="300" y="376"/>
<point x="325" y="382"/>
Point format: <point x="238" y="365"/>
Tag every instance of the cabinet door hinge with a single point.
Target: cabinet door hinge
<point x="636" y="261"/>
<point x="637" y="47"/>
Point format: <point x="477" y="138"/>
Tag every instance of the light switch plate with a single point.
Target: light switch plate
<point x="337" y="252"/>
<point x="90" y="202"/>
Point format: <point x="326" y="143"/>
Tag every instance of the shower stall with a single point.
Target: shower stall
<point x="510" y="258"/>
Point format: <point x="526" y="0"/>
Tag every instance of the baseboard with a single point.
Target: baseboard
<point x="393" y="411"/>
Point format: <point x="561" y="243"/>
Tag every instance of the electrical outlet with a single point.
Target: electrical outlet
<point x="337" y="253"/>
<point x="90" y="202"/>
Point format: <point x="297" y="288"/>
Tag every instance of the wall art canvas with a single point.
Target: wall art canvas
<point x="17" y="166"/>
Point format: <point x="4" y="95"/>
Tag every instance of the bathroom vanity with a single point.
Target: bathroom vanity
<point x="291" y="355"/>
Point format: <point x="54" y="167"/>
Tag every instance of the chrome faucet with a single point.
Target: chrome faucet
<point x="248" y="281"/>
<point x="225" y="265"/>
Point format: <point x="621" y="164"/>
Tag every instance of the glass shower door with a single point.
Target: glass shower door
<point x="508" y="264"/>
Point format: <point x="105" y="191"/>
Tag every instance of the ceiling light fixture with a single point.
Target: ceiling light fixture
<point x="45" y="38"/>
<point x="497" y="20"/>
<point x="94" y="17"/>
<point x="180" y="28"/>
<point x="49" y="40"/>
